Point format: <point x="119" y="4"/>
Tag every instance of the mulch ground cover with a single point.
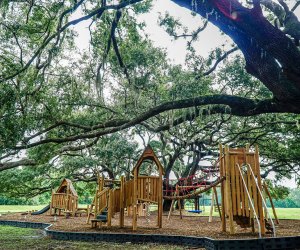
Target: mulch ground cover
<point x="189" y="225"/>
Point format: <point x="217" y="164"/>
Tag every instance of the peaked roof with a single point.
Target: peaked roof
<point x="66" y="182"/>
<point x="148" y="154"/>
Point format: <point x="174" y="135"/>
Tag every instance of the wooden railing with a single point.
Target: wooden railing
<point x="63" y="201"/>
<point x="148" y="188"/>
<point x="128" y="190"/>
<point x="101" y="201"/>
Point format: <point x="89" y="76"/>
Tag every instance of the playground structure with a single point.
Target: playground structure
<point x="242" y="199"/>
<point x="242" y="191"/>
<point x="236" y="173"/>
<point x="132" y="195"/>
<point x="65" y="199"/>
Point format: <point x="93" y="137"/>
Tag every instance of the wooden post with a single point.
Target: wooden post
<point x="211" y="207"/>
<point x="232" y="162"/>
<point x="178" y="201"/>
<point x="171" y="208"/>
<point x="237" y="188"/>
<point x="260" y="206"/>
<point x="122" y="194"/>
<point x="110" y="208"/>
<point x="271" y="201"/>
<point x="96" y="202"/>
<point x="66" y="206"/>
<point x="229" y="198"/>
<point x="250" y="188"/>
<point x="217" y="201"/>
<point x="160" y="197"/>
<point x="222" y="173"/>
<point x="135" y="201"/>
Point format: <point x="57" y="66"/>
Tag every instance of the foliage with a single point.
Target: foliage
<point x="68" y="112"/>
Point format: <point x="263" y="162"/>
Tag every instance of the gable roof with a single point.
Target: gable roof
<point x="148" y="154"/>
<point x="64" y="184"/>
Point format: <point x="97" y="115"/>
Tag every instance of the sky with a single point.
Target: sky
<point x="209" y="39"/>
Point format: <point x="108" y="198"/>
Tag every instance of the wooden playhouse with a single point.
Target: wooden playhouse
<point x="65" y="199"/>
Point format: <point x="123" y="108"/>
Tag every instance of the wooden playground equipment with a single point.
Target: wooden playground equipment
<point x="238" y="177"/>
<point x="242" y="191"/>
<point x="132" y="195"/>
<point x="65" y="199"/>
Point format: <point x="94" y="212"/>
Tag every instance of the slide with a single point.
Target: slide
<point x="43" y="210"/>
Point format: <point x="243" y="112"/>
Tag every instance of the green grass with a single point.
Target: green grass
<point x="19" y="208"/>
<point x="14" y="238"/>
<point x="22" y="208"/>
<point x="287" y="213"/>
<point x="282" y="213"/>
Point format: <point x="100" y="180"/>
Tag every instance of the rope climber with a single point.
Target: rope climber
<point x="188" y="186"/>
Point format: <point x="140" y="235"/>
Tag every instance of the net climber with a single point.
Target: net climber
<point x="191" y="187"/>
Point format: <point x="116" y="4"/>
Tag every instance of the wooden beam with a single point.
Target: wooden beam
<point x="222" y="174"/>
<point x="271" y="201"/>
<point x="122" y="210"/>
<point x="229" y="198"/>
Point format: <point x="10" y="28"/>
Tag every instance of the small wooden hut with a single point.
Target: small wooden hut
<point x="65" y="199"/>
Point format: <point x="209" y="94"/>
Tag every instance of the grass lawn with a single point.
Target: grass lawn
<point x="22" y="208"/>
<point x="19" y="208"/>
<point x="14" y="238"/>
<point x="282" y="213"/>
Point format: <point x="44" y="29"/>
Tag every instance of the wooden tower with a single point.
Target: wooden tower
<point x="242" y="199"/>
<point x="147" y="188"/>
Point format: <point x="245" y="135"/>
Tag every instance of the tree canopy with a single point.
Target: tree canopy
<point x="66" y="110"/>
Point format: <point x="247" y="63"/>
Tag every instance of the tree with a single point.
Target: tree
<point x="51" y="105"/>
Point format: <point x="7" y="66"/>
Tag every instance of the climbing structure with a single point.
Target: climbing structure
<point x="65" y="199"/>
<point x="242" y="198"/>
<point x="114" y="196"/>
<point x="239" y="180"/>
<point x="241" y="190"/>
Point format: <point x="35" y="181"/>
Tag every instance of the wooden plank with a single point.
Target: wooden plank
<point x="155" y="190"/>
<point x="260" y="205"/>
<point x="238" y="191"/>
<point x="272" y="204"/>
<point x="232" y="184"/>
<point x="134" y="202"/>
<point x="142" y="187"/>
<point x="160" y="197"/>
<point x="222" y="173"/>
<point x="217" y="201"/>
<point x="250" y="185"/>
<point x="254" y="188"/>
<point x="244" y="197"/>
<point x="229" y="197"/>
<point x="110" y="208"/>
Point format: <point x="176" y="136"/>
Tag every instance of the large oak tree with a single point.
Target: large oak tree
<point x="46" y="103"/>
